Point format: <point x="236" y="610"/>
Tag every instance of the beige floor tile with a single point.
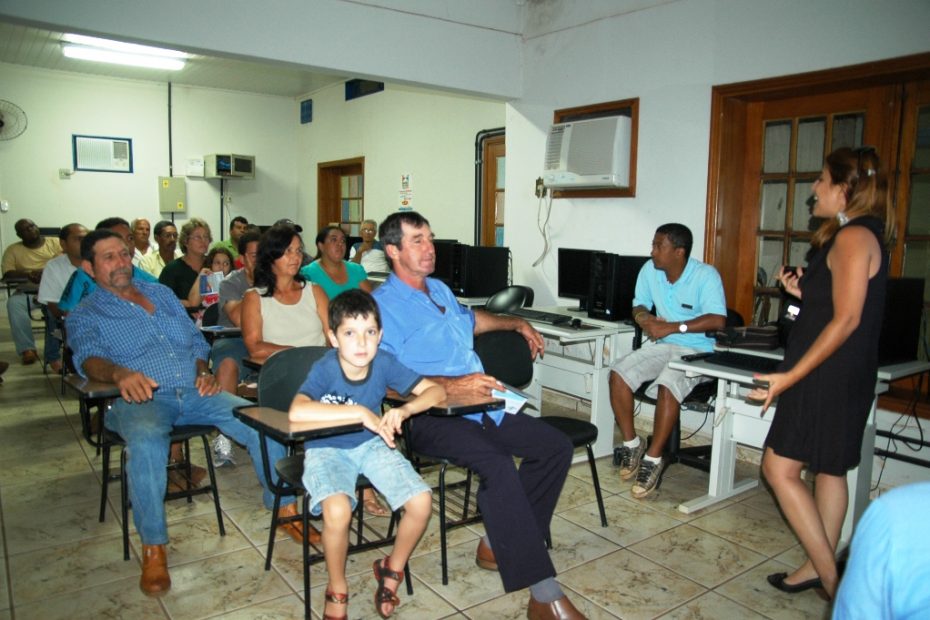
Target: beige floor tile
<point x="573" y="545"/>
<point x="697" y="555"/>
<point x="627" y="521"/>
<point x="5" y="602"/>
<point x="254" y="523"/>
<point x="288" y="562"/>
<point x="793" y="557"/>
<point x="607" y="474"/>
<point x="431" y="540"/>
<point x="61" y="463"/>
<point x="468" y="584"/>
<point x="224" y="582"/>
<point x="197" y="538"/>
<point x="40" y="495"/>
<point x="752" y="590"/>
<point x="67" y="568"/>
<point x="284" y="608"/>
<point x="30" y="528"/>
<point x="711" y="606"/>
<point x="759" y="530"/>
<point x="424" y="603"/>
<point x="575" y="492"/>
<point x="680" y="484"/>
<point x="630" y="586"/>
<point x="6" y="614"/>
<point x="114" y="600"/>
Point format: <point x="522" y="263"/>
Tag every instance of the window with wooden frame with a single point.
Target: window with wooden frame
<point x="624" y="107"/>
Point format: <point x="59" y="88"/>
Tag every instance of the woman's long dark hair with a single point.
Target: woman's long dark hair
<point x="866" y="190"/>
<point x="271" y="247"/>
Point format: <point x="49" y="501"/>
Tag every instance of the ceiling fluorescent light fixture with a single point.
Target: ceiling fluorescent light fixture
<point x="116" y="52"/>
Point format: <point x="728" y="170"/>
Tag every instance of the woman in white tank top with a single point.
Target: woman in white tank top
<point x="295" y="312"/>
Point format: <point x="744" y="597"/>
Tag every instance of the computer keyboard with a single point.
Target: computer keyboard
<point x="540" y="317"/>
<point x="744" y="361"/>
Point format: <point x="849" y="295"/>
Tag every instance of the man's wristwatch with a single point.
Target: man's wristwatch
<point x="683" y="327"/>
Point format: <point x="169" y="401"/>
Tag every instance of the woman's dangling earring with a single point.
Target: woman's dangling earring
<point x="842" y="218"/>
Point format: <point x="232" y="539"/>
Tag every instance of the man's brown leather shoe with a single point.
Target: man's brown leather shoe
<point x="30" y="357"/>
<point x="295" y="528"/>
<point x="484" y="557"/>
<point x="561" y="609"/>
<point x="155" y="579"/>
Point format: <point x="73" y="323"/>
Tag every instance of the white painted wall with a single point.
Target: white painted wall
<point x="427" y="134"/>
<point x="669" y="55"/>
<point x="205" y="121"/>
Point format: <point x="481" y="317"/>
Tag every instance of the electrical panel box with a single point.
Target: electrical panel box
<point x="172" y="194"/>
<point x="229" y="166"/>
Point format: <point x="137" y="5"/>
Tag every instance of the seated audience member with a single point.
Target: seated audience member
<point x="218" y="260"/>
<point x="889" y="564"/>
<point x="232" y="290"/>
<point x="688" y="297"/>
<point x="180" y="274"/>
<point x="58" y="272"/>
<point x="80" y="284"/>
<point x="160" y="367"/>
<point x="24" y="261"/>
<point x="368" y="252"/>
<point x="428" y="330"/>
<point x="334" y="275"/>
<point x="348" y="384"/>
<point x="141" y="233"/>
<point x="167" y="237"/>
<point x="283" y="310"/>
<point x="330" y="270"/>
<point x="237" y="227"/>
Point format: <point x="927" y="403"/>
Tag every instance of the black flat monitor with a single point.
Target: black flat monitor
<point x="350" y="241"/>
<point x="444" y="249"/>
<point x="904" y="307"/>
<point x="575" y="275"/>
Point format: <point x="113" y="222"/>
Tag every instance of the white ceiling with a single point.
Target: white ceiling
<point x="34" y="47"/>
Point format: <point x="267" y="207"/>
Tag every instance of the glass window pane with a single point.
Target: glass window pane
<point x="345" y="211"/>
<point x="777" y="146"/>
<point x="766" y="308"/>
<point x="774" y="198"/>
<point x="770" y="253"/>
<point x="801" y="213"/>
<point x="810" y="144"/>
<point x="847" y="131"/>
<point x="501" y="172"/>
<point x="355" y="211"/>
<point x="344" y="186"/>
<point x="922" y="152"/>
<point x="918" y="212"/>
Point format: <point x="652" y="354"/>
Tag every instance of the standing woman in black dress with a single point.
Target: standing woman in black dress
<point x="826" y="383"/>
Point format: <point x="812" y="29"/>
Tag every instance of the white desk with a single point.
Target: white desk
<point x="580" y="374"/>
<point x="737" y="422"/>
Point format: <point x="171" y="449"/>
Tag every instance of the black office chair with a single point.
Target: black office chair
<point x="509" y="298"/>
<point x="699" y="399"/>
<point x="505" y="355"/>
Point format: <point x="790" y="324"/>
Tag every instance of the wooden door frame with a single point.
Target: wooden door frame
<point x="328" y="208"/>
<point x="491" y="148"/>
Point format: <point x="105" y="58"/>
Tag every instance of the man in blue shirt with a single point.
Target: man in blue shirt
<point x="138" y="336"/>
<point x="688" y="299"/>
<point x="430" y="332"/>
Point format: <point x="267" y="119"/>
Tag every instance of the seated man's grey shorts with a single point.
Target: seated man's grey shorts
<point x="650" y="363"/>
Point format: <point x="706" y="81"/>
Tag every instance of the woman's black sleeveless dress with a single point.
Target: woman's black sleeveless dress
<point x="820" y="420"/>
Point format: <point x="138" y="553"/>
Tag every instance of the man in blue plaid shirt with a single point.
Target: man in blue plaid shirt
<point x="137" y="335"/>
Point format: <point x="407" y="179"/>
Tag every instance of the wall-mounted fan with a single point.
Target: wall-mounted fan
<point x="13" y="120"/>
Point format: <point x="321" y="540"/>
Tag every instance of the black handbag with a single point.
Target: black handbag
<point x="763" y="338"/>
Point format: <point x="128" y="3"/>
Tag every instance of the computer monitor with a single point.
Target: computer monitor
<point x="575" y="274"/>
<point x="444" y="249"/>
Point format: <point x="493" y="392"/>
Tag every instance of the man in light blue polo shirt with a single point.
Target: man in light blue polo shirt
<point x="688" y="299"/>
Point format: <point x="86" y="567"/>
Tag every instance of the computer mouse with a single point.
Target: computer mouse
<point x="576" y="323"/>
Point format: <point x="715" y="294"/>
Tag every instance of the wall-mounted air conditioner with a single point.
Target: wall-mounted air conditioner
<point x="590" y="153"/>
<point x="229" y="166"/>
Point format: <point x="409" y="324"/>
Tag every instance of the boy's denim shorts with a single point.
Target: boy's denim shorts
<point x="328" y="471"/>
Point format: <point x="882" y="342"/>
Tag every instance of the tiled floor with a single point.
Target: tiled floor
<point x="652" y="561"/>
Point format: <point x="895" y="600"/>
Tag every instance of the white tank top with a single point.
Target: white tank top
<point x="296" y="325"/>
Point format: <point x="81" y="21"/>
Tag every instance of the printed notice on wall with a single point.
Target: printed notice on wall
<point x="406" y="193"/>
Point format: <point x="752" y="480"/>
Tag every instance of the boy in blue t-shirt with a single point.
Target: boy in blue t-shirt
<point x="348" y="384"/>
